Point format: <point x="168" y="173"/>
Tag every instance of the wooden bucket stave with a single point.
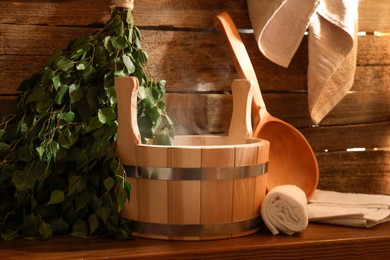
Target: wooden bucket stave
<point x="204" y="187"/>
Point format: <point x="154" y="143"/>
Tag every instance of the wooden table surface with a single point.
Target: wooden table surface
<point x="318" y="241"/>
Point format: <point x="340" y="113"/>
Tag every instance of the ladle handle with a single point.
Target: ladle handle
<point x="240" y="124"/>
<point x="241" y="59"/>
<point x="128" y="135"/>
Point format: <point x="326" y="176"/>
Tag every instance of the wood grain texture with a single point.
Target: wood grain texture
<point x="152" y="201"/>
<point x="176" y="13"/>
<point x="240" y="126"/>
<point x="360" y="171"/>
<point x="217" y="156"/>
<point x="244" y="191"/>
<point x="338" y="138"/>
<point x="247" y="155"/>
<point x="152" y="156"/>
<point x="42" y="12"/>
<point x="261" y="183"/>
<point x="318" y="241"/>
<point x="184" y="157"/>
<point x="184" y="203"/>
<point x="216" y="202"/>
<point x="128" y="134"/>
<point x="187" y="60"/>
<point x="185" y="50"/>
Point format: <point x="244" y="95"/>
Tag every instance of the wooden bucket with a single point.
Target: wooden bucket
<point x="203" y="187"/>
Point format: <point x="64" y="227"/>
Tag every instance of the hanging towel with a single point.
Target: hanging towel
<point x="279" y="27"/>
<point x="349" y="209"/>
<point x="284" y="210"/>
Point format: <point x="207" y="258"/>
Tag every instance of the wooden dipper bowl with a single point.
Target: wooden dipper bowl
<point x="291" y="159"/>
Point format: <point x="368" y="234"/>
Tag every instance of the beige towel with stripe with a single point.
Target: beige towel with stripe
<point x="349" y="209"/>
<point x="279" y="27"/>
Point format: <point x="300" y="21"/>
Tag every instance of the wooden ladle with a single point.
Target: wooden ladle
<point x="291" y="159"/>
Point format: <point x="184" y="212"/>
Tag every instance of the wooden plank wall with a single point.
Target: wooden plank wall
<point x="193" y="58"/>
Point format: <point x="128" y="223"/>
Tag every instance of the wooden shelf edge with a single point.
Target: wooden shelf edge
<point x="318" y="241"/>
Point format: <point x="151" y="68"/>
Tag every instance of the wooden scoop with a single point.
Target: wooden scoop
<point x="291" y="159"/>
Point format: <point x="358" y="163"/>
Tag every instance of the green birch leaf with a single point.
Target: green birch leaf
<point x="82" y="65"/>
<point x="56" y="81"/>
<point x="107" y="44"/>
<point x="41" y="151"/>
<point x="161" y="105"/>
<point x="31" y="221"/>
<point x="80" y="229"/>
<point x="23" y="181"/>
<point x="148" y="103"/>
<point x="47" y="76"/>
<point x="4" y="149"/>
<point x="93" y="98"/>
<point x="138" y="43"/>
<point x="45" y="230"/>
<point x="101" y="55"/>
<point x="109" y="183"/>
<point x="80" y="44"/>
<point x="67" y="138"/>
<point x="127" y="186"/>
<point x="106" y="114"/>
<point x="120" y="73"/>
<point x="93" y="222"/>
<point x="111" y="94"/>
<point x="77" y="183"/>
<point x="154" y="114"/>
<point x="37" y="170"/>
<point x="59" y="225"/>
<point x="93" y="124"/>
<point x="2" y="132"/>
<point x="63" y="63"/>
<point x="59" y="98"/>
<point x="163" y="139"/>
<point x="78" y="54"/>
<point x="121" y="198"/>
<point x="75" y="93"/>
<point x="82" y="200"/>
<point x="145" y="126"/>
<point x="104" y="213"/>
<point x="44" y="104"/>
<point x="118" y="43"/>
<point x="96" y="203"/>
<point x="67" y="117"/>
<point x="130" y="18"/>
<point x="22" y="125"/>
<point x="56" y="196"/>
<point x="37" y="94"/>
<point x="9" y="234"/>
<point x="52" y="148"/>
<point x="128" y="63"/>
<point x="89" y="73"/>
<point x="142" y="93"/>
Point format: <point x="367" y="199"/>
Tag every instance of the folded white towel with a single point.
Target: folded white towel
<point x="284" y="210"/>
<point x="349" y="209"/>
<point x="279" y="27"/>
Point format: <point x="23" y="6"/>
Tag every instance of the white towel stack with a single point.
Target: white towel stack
<point x="284" y="210"/>
<point x="349" y="209"/>
<point x="279" y="27"/>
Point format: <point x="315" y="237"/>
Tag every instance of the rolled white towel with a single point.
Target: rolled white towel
<point x="284" y="210"/>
